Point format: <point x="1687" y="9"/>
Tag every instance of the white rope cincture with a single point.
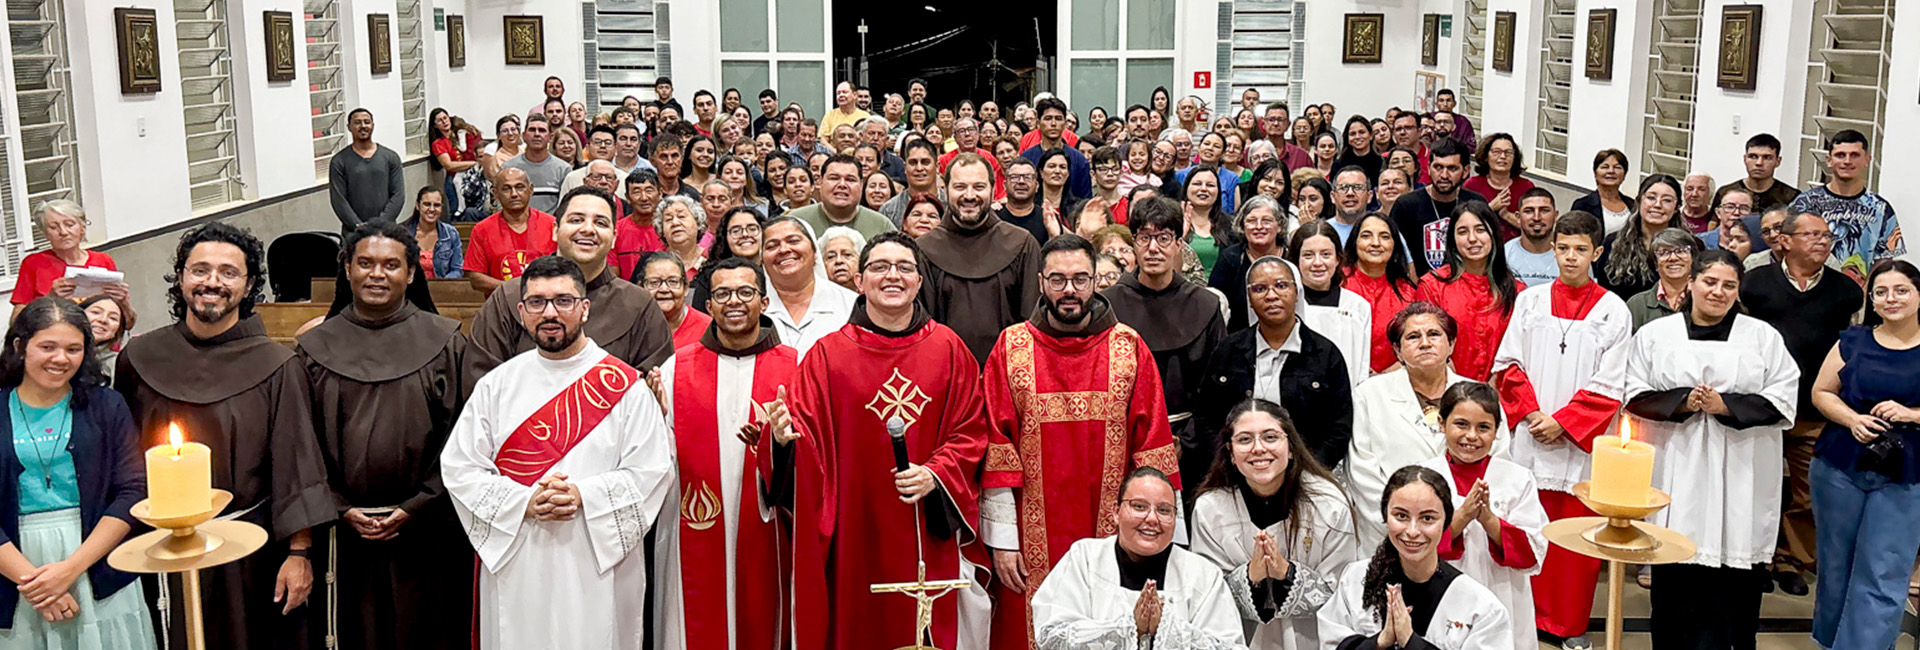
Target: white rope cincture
<point x="333" y="587"/>
<point x="166" y="614"/>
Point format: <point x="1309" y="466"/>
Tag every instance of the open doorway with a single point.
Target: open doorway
<point x="965" y="49"/>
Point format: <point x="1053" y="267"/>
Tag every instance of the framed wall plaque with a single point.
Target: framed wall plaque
<point x="1361" y="43"/>
<point x="1739" y="46"/>
<point x="137" y="32"/>
<point x="281" y="62"/>
<point x="1503" y="41"/>
<point x="526" y="40"/>
<point x="380" y="43"/>
<point x="1430" y="40"/>
<point x="1600" y="30"/>
<point x="456" y="41"/>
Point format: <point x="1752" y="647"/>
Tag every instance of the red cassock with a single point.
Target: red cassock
<point x="851" y="529"/>
<point x="1387" y="300"/>
<point x="703" y="531"/>
<point x="1471" y="302"/>
<point x="1071" y="416"/>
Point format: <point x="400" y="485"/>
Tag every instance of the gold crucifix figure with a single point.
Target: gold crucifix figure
<point x="923" y="594"/>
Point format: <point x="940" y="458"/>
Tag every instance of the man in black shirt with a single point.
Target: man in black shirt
<point x="1020" y="208"/>
<point x="1810" y="310"/>
<point x="1423" y="216"/>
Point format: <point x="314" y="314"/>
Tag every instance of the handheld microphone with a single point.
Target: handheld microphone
<point x="897" y="429"/>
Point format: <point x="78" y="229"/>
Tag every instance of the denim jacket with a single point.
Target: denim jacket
<point x="447" y="254"/>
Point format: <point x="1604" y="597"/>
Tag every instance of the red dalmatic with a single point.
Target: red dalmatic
<point x="1071" y="416"/>
<point x="851" y="530"/>
<point x="703" y="517"/>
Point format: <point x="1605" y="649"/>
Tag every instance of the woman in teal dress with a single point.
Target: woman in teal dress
<point x="76" y="475"/>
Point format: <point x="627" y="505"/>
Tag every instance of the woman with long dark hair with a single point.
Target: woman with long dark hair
<point x="1475" y="286"/>
<point x="1209" y="227"/>
<point x="1056" y="191"/>
<point x="77" y="474"/>
<point x="1715" y="391"/>
<point x="1271" y="179"/>
<point x="441" y="251"/>
<point x="1380" y="274"/>
<point x="1405" y="597"/>
<point x="1335" y="312"/>
<point x="456" y="151"/>
<point x="1359" y="150"/>
<point x="1496" y="536"/>
<point x="1326" y="152"/>
<point x="1210" y="151"/>
<point x="1626" y="264"/>
<point x="739" y="235"/>
<point x="111" y="320"/>
<point x="1277" y="523"/>
<point x="1312" y="199"/>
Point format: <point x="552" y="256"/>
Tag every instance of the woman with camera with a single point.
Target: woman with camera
<point x="1866" y="467"/>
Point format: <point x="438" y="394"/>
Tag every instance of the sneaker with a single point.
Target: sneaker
<point x="1791" y="582"/>
<point x="1576" y="643"/>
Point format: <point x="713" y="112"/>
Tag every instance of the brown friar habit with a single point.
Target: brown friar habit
<point x="1181" y="324"/>
<point x="623" y="320"/>
<point x="981" y="279"/>
<point x="245" y="397"/>
<point x="385" y="395"/>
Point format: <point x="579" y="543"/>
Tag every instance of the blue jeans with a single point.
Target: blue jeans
<point x="1869" y="531"/>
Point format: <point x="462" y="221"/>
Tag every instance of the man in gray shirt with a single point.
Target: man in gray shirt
<point x="544" y="171"/>
<point x="365" y="179"/>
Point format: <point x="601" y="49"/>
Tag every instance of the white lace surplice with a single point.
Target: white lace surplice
<point x="1082" y="606"/>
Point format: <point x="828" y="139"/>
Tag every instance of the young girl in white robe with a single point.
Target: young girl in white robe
<point x="1496" y="536"/>
<point x="1405" y="597"/>
<point x="1713" y="391"/>
<point x="1277" y="524"/>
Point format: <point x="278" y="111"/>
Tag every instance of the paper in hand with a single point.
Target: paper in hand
<point x="89" y="281"/>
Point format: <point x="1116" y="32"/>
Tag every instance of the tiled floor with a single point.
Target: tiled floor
<point x="1775" y="608"/>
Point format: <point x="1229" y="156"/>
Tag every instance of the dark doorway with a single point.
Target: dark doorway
<point x="952" y="44"/>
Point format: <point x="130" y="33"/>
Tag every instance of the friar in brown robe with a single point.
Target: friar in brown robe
<point x="388" y="380"/>
<point x="983" y="274"/>
<point x="623" y="320"/>
<point x="1180" y="321"/>
<point x="215" y="373"/>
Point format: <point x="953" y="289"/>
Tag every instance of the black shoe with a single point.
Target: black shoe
<point x="1766" y="586"/>
<point x="1791" y="583"/>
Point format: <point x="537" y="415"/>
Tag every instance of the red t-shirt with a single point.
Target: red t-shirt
<point x="39" y="270"/>
<point x="632" y="242"/>
<point x="496" y="250"/>
<point x="445" y="146"/>
<point x="1520" y="187"/>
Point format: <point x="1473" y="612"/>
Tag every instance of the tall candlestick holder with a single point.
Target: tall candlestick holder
<point x="185" y="544"/>
<point x="1620" y="537"/>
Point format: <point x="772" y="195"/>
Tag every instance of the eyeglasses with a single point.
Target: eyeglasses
<point x="1246" y="440"/>
<point x="203" y="272"/>
<point x="742" y="231"/>
<point x="1813" y="236"/>
<point x="1261" y="289"/>
<point x="1107" y="169"/>
<point x="1350" y="187"/>
<point x="1673" y="253"/>
<point x="743" y="294"/>
<point x="1022" y="177"/>
<point x="1057" y="282"/>
<point x="1109" y="277"/>
<point x="906" y="269"/>
<point x="1161" y="240"/>
<point x="537" y="304"/>
<point x="1142" y="508"/>
<point x="663" y="283"/>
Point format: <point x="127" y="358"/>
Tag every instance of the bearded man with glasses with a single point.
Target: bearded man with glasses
<point x="1045" y="487"/>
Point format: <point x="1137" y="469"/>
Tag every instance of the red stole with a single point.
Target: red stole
<point x="703" y="541"/>
<point x="552" y="431"/>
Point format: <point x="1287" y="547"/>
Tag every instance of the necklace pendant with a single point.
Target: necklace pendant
<point x="1563" y="347"/>
<point x="49" y="480"/>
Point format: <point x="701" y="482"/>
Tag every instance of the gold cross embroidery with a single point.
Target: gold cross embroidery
<point x="900" y="397"/>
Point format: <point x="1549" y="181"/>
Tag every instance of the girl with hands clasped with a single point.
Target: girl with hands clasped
<point x="67" y="504"/>
<point x="1866" y="466"/>
<point x="1496" y="535"/>
<point x="1277" y="523"/>
<point x="1405" y="597"/>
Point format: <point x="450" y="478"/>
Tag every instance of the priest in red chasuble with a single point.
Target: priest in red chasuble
<point x="1075" y="404"/>
<point x="854" y="516"/>
<point x="719" y="572"/>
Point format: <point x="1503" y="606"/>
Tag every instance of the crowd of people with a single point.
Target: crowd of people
<point x="1155" y="377"/>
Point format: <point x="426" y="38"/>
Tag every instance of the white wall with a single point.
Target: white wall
<point x="1609" y="114"/>
<point x="1512" y="100"/>
<point x="695" y="36"/>
<point x="268" y="140"/>
<point x="487" y="88"/>
<point x="378" y="93"/>
<point x="1902" y="123"/>
<point x="1723" y="119"/>
<point x="132" y="147"/>
<point x="1368" y="89"/>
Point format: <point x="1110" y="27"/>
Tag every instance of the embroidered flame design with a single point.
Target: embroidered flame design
<point x="699" y="506"/>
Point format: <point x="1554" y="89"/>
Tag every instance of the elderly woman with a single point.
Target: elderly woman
<point x="664" y="277"/>
<point x="1262" y="224"/>
<point x="1309" y="378"/>
<point x="682" y="222"/>
<point x="840" y="248"/>
<point x="1673" y="253"/>
<point x="440" y="247"/>
<point x="45" y="273"/>
<point x="1396" y="415"/>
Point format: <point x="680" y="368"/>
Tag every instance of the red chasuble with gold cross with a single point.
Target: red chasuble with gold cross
<point x="1071" y="417"/>
<point x="851" y="528"/>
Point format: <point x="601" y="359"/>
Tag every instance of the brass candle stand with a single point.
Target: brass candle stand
<point x="1620" y="537"/>
<point x="185" y="544"/>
